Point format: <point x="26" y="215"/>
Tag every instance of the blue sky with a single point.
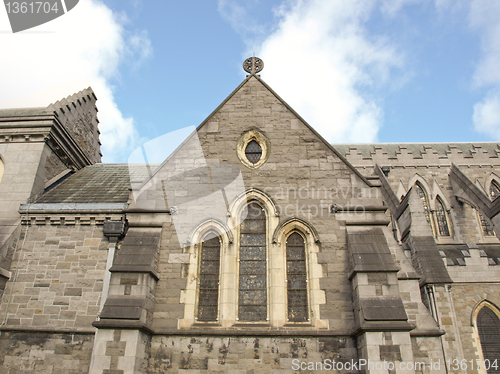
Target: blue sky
<point x="356" y="70"/>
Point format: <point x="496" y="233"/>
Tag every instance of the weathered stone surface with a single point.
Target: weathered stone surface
<point x="41" y="352"/>
<point x="59" y="281"/>
<point x="245" y="355"/>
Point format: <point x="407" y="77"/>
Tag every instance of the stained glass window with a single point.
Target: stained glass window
<point x="252" y="300"/>
<point x="209" y="278"/>
<point x="494" y="190"/>
<point x="296" y="278"/>
<point x="442" y="222"/>
<point x="423" y="196"/>
<point x="486" y="226"/>
<point x="488" y="326"/>
<point x="253" y="151"/>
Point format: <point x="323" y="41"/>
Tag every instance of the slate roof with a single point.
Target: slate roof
<point x="430" y="261"/>
<point x="368" y="251"/>
<point x="454" y="253"/>
<point x="99" y="183"/>
<point x="491" y="148"/>
<point x="23" y="112"/>
<point x="110" y="183"/>
<point x="492" y="251"/>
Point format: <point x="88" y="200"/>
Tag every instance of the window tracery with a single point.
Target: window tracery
<point x="442" y="219"/>
<point x="488" y="329"/>
<point x="252" y="298"/>
<point x="254" y="268"/>
<point x="296" y="279"/>
<point x="253" y="151"/>
<point x="208" y="290"/>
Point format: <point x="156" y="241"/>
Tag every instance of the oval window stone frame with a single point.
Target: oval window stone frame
<point x="263" y="142"/>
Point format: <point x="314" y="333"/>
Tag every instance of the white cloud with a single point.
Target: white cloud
<point x="486" y="115"/>
<point x="84" y="47"/>
<point x="485" y="18"/>
<point x="322" y="61"/>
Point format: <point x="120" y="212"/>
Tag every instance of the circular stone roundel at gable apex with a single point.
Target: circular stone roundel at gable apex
<point x="253" y="149"/>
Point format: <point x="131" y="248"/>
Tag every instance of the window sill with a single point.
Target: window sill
<point x="206" y="324"/>
<point x="445" y="240"/>
<point x="252" y="324"/>
<point x="297" y="324"/>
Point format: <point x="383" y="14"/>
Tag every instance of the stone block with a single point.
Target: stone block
<point x="73" y="291"/>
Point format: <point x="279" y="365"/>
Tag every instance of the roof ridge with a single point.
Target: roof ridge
<point x="413" y="143"/>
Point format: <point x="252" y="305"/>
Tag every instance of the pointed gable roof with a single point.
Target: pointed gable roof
<point x="269" y="89"/>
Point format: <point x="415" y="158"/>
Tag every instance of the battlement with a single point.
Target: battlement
<point x="366" y="155"/>
<point x="78" y="114"/>
<point x="472" y="262"/>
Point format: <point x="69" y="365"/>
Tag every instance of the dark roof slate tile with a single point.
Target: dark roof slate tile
<point x="99" y="183"/>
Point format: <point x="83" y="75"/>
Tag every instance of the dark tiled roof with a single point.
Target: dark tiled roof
<point x="368" y="251"/>
<point x="491" y="148"/>
<point x="99" y="183"/>
<point x="492" y="251"/>
<point x="454" y="252"/>
<point x="429" y="259"/>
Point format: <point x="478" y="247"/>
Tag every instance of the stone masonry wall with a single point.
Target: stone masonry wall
<point x="467" y="225"/>
<point x="168" y="309"/>
<point x="455" y="308"/>
<point x="246" y="355"/>
<point x="302" y="176"/>
<point x="40" y="352"/>
<point x="433" y="169"/>
<point x="6" y="253"/>
<point x="53" y="166"/>
<point x="59" y="280"/>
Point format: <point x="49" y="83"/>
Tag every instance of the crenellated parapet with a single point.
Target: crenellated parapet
<point x="78" y="114"/>
<point x="420" y="154"/>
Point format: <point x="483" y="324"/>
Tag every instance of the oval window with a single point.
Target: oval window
<point x="253" y="152"/>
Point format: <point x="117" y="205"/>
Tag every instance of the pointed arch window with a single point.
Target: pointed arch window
<point x="488" y="328"/>
<point x="208" y="299"/>
<point x="296" y="278"/>
<point x="252" y="297"/>
<point x="421" y="193"/>
<point x="494" y="189"/>
<point x="441" y="218"/>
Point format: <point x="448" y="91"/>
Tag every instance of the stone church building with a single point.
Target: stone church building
<point x="255" y="247"/>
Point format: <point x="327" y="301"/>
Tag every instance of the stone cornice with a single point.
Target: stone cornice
<point x="97" y="218"/>
<point x="42" y="126"/>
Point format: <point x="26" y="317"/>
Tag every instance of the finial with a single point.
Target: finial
<point x="253" y="65"/>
